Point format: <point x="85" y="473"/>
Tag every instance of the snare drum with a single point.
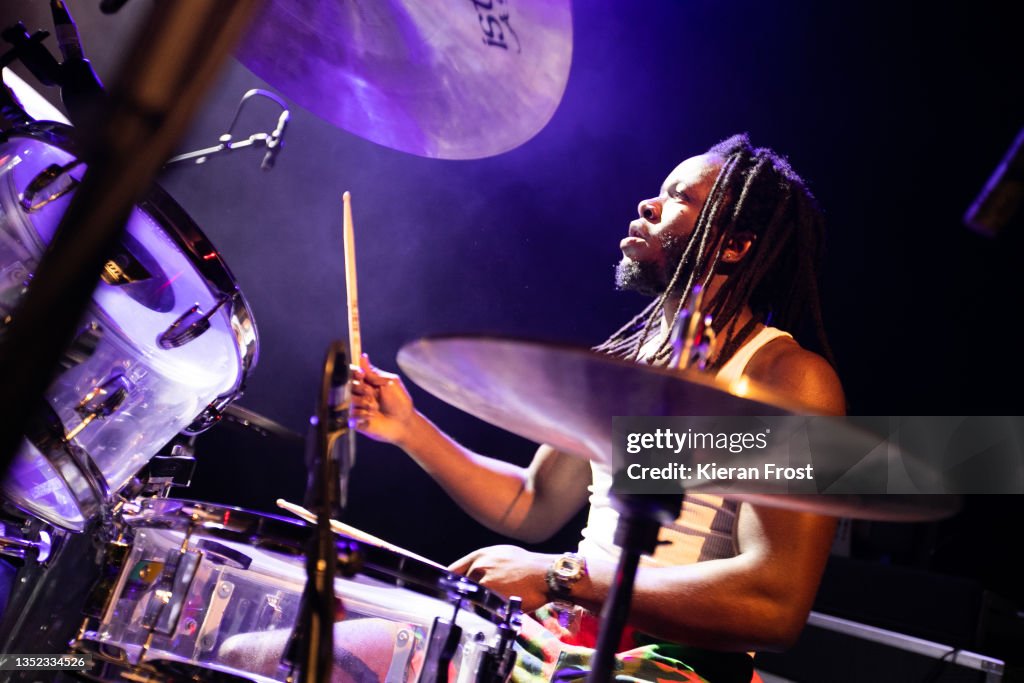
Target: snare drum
<point x="194" y="583"/>
<point x="167" y="338"/>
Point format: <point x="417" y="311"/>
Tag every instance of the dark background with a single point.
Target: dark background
<point x="895" y="112"/>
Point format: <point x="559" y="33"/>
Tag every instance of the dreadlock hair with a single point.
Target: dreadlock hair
<point x="758" y="193"/>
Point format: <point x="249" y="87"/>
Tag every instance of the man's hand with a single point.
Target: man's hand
<point x="381" y="403"/>
<point x="509" y="570"/>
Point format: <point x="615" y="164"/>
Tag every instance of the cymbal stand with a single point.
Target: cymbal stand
<point x="310" y="648"/>
<point x="640" y="519"/>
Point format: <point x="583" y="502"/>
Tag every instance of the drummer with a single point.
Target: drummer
<point x="729" y="578"/>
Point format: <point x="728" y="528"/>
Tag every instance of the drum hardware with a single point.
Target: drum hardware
<point x="119" y="396"/>
<point x="191" y="324"/>
<point x="26" y="541"/>
<point x="310" y="650"/>
<point x="48" y="437"/>
<point x="174" y="465"/>
<point x="497" y="663"/>
<point x="29" y="50"/>
<point x="404" y="641"/>
<point x="97" y="602"/>
<point x="210" y="415"/>
<point x="103" y="401"/>
<point x="47" y="177"/>
<point x="248" y="582"/>
<point x="272" y="141"/>
<point x="80" y="88"/>
<point x="148" y="109"/>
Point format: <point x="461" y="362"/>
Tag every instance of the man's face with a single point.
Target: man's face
<point x="658" y="237"/>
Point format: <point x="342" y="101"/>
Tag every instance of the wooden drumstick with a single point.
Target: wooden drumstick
<point x="352" y="532"/>
<point x="355" y="342"/>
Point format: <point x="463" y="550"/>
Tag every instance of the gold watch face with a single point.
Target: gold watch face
<point x="568" y="568"/>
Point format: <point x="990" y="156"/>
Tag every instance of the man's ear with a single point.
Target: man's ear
<point x="737" y="246"/>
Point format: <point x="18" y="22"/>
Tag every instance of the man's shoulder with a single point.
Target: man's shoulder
<point x="800" y="375"/>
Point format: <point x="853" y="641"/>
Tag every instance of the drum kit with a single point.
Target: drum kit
<point x="155" y="588"/>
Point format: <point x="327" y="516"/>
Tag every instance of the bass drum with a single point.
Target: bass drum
<point x="167" y="341"/>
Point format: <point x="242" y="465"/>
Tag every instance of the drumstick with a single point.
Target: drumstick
<point x="355" y="342"/>
<point x="351" y="531"/>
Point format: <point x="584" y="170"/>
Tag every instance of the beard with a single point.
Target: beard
<point x="650" y="278"/>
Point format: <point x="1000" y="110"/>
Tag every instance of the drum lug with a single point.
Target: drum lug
<point x="48" y="176"/>
<point x="102" y="401"/>
<point x="191" y="324"/>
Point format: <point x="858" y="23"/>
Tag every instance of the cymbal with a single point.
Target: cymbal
<point x="257" y="423"/>
<point x="566" y="397"/>
<point x="441" y="79"/>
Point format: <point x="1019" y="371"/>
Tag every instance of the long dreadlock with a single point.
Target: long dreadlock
<point x="757" y="193"/>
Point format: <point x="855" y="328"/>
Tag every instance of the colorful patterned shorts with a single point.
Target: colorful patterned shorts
<point x="549" y="650"/>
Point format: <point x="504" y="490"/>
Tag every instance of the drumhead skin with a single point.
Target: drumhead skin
<point x="131" y="380"/>
<point x="227" y="604"/>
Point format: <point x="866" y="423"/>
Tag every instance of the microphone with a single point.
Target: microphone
<point x="80" y="87"/>
<point x="275" y="142"/>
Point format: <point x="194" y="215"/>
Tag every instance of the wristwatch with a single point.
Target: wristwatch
<point x="565" y="571"/>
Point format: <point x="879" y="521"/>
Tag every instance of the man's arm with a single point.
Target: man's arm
<point x="757" y="600"/>
<point x="528" y="504"/>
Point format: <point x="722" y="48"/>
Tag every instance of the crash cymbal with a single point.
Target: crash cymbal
<point x="567" y="397"/>
<point x="442" y="79"/>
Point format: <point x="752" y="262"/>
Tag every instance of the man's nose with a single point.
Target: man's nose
<point x="649" y="210"/>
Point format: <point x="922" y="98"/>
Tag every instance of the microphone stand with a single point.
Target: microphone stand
<point x="311" y="646"/>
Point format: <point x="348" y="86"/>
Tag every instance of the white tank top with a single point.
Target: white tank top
<point x="706" y="526"/>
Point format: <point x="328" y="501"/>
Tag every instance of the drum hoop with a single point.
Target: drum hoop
<point x="84" y="481"/>
<point x="255" y="528"/>
<point x="188" y="237"/>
